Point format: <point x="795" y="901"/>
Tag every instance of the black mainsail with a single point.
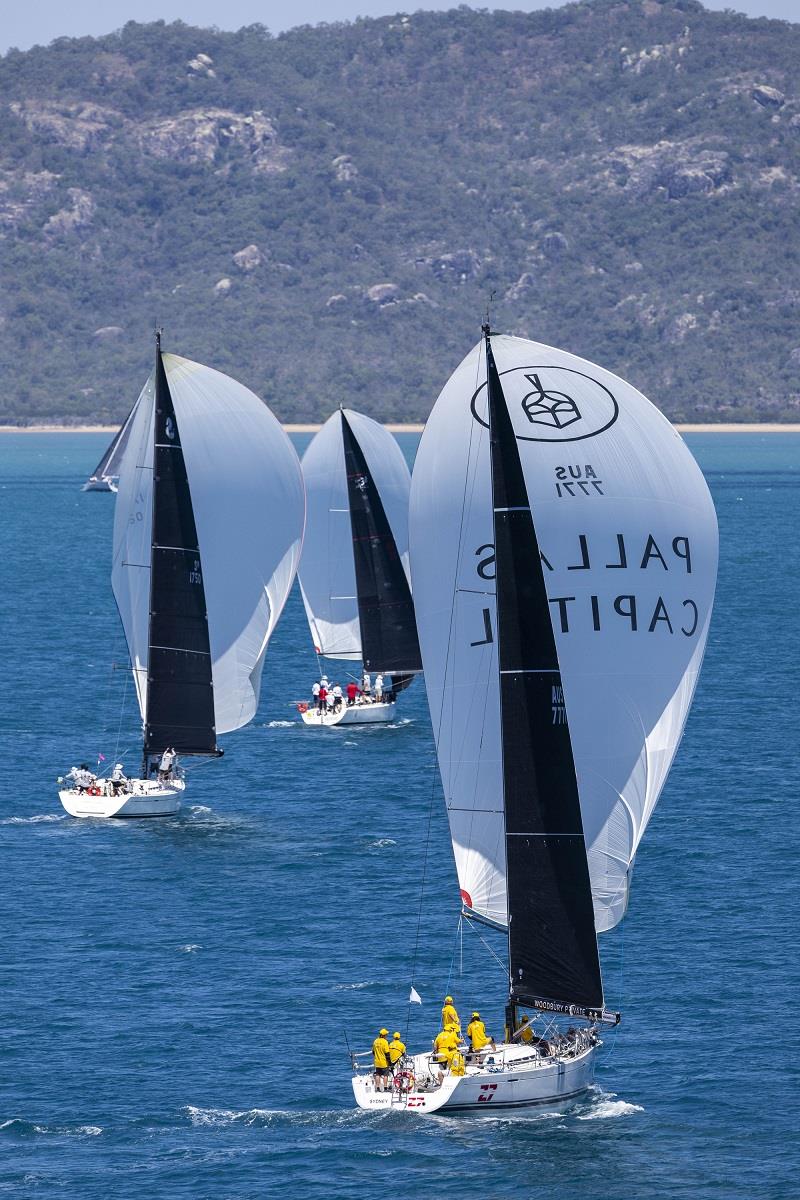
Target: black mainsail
<point x="553" y="956"/>
<point x="385" y="609"/>
<point x="180" y="694"/>
<point x="108" y="467"/>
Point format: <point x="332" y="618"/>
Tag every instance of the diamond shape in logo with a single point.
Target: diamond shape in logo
<point x="555" y="409"/>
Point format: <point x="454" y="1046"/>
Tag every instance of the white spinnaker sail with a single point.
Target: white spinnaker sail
<point x="628" y="534"/>
<point x="327" y="569"/>
<point x="247" y="496"/>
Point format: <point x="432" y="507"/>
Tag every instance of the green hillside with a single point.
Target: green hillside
<point x="325" y="213"/>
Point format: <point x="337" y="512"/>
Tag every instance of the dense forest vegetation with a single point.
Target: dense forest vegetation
<point x="324" y="214"/>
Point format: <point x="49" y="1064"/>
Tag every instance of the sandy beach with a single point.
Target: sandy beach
<point x="752" y="427"/>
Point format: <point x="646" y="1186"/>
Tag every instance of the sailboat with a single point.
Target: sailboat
<point x="354" y="573"/>
<point x="564" y="555"/>
<point x="105" y="476"/>
<point x="207" y="536"/>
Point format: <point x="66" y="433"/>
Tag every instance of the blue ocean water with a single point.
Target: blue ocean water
<point x="176" y="995"/>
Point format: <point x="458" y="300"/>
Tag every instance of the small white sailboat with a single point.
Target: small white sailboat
<point x="564" y="556"/>
<point x="208" y="529"/>
<point x="354" y="573"/>
<point x="105" y="476"/>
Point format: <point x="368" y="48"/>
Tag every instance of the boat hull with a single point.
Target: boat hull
<point x="517" y="1084"/>
<point x="354" y="714"/>
<point x="147" y="799"/>
<point x="104" y="484"/>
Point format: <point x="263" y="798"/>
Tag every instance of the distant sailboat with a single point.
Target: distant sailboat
<point x="105" y="476"/>
<point x="564" y="556"/>
<point x="207" y="535"/>
<point x="354" y="569"/>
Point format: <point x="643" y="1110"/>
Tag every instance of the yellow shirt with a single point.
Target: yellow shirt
<point x="445" y="1045"/>
<point x="525" y="1033"/>
<point x="380" y="1052"/>
<point x="476" y="1032"/>
<point x="396" y="1050"/>
<point x="450" y="1017"/>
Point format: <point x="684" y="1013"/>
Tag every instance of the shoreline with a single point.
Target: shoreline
<point x="730" y="427"/>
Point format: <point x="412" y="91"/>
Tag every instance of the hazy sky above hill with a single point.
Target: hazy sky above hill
<point x="25" y="25"/>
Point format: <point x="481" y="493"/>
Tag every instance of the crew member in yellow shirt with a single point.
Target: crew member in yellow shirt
<point x="449" y="1014"/>
<point x="380" y="1059"/>
<point x="397" y="1049"/>
<point x="445" y="1045"/>
<point x="478" y="1037"/>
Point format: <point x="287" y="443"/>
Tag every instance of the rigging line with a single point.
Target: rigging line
<point x="497" y="959"/>
<point x="441" y="711"/>
<point x="121" y="715"/>
<point x="459" y="930"/>
<point x="422" y="893"/>
<point x="620" y="993"/>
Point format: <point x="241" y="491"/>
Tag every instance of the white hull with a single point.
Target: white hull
<point x="147" y="798"/>
<point x="354" y="714"/>
<point x="511" y="1077"/>
<point x="105" y="484"/>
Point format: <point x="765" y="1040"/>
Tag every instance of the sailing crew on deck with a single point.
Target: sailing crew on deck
<point x="353" y="690"/>
<point x="449" y="1014"/>
<point x="525" y="1031"/>
<point x="478" y="1037"/>
<point x="379" y="688"/>
<point x="315" y="694"/>
<point x="445" y="1045"/>
<point x="329" y="700"/>
<point x="322" y="696"/>
<point x="397" y="1049"/>
<point x="167" y="762"/>
<point x="81" y="777"/>
<point x="380" y="1059"/>
<point x="119" y="782"/>
<point x="366" y="686"/>
<point x="337" y="697"/>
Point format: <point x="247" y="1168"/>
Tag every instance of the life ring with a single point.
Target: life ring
<point x="302" y="707"/>
<point x="404" y="1081"/>
<point x="94" y="790"/>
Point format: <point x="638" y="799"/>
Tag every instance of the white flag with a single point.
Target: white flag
<point x="415" y="997"/>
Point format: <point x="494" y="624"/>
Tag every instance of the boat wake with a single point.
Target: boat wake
<point x="17" y="1127"/>
<point x="266" y="1118"/>
<point x="380" y="843"/>
<point x="281" y="724"/>
<point x="38" y="819"/>
<point x="604" y="1106"/>
<point x="189" y="948"/>
<point x="350" y="987"/>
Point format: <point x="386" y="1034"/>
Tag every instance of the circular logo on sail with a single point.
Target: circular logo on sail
<point x="552" y="404"/>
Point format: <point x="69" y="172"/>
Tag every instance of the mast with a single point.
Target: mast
<point x="385" y="610"/>
<point x="180" y="695"/>
<point x="552" y="943"/>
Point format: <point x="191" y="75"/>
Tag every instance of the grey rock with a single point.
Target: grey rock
<point x="768" y="97"/>
<point x="381" y="294"/>
<point x="248" y="258"/>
